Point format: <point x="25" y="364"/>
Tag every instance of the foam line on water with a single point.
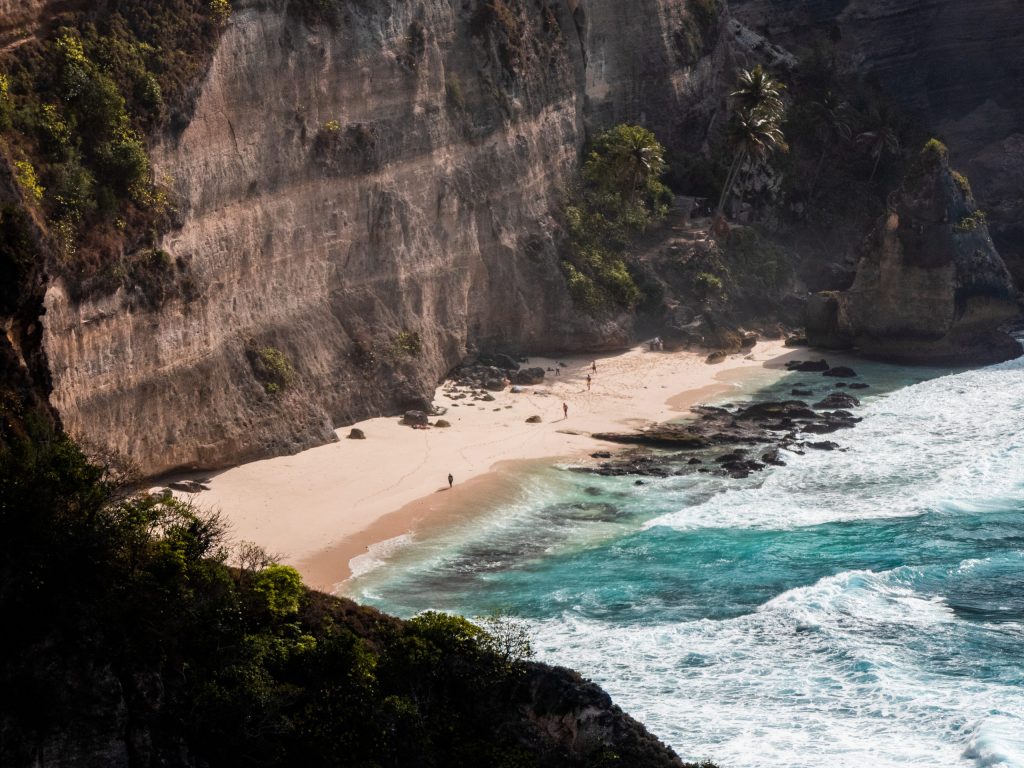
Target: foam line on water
<point x="846" y="672"/>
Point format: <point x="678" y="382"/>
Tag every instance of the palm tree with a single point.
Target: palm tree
<point x="831" y="118"/>
<point x="758" y="90"/>
<point x="754" y="132"/>
<point x="637" y="157"/>
<point x="881" y="138"/>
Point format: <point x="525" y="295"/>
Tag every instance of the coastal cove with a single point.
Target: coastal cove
<point x="857" y="606"/>
<point x="320" y="508"/>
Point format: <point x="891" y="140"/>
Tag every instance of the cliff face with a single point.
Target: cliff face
<point x="931" y="287"/>
<point x="368" y="195"/>
<point x="956" y="65"/>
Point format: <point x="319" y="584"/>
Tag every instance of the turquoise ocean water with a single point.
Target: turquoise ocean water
<point x="857" y="608"/>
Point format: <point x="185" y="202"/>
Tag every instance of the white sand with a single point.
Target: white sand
<point x="320" y="508"/>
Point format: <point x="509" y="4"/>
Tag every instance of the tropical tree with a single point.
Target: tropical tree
<point x="758" y="90"/>
<point x="626" y="160"/>
<point x="754" y="131"/>
<point x="881" y="137"/>
<point x="831" y="119"/>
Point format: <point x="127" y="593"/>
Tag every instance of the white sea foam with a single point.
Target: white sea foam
<point x="377" y="555"/>
<point x="834" y="674"/>
<point x="907" y="457"/>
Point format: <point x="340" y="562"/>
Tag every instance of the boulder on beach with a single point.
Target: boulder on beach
<point x="534" y="420"/>
<point x="528" y="376"/>
<point x="356" y="434"/>
<point x="444" y="424"/>
<point x="416" y="418"/>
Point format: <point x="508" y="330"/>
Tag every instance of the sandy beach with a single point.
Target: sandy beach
<point x="319" y="509"/>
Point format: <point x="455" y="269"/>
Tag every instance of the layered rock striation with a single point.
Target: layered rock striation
<point x="361" y="197"/>
<point x="930" y="287"/>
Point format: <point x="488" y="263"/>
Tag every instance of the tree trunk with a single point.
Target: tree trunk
<point x="878" y="159"/>
<point x="730" y="179"/>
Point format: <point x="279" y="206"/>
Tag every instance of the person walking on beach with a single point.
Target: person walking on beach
<point x="565" y="410"/>
<point x="588" y="382"/>
<point x="451" y="480"/>
<point x="593" y="365"/>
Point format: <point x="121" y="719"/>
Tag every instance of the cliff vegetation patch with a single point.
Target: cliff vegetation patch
<point x="620" y="195"/>
<point x="271" y="367"/>
<point x="77" y="103"/>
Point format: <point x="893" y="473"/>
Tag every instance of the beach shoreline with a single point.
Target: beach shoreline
<point x="320" y="509"/>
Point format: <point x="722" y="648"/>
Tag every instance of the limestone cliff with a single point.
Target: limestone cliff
<point x="367" y="196"/>
<point x="958" y="66"/>
<point x="930" y="287"/>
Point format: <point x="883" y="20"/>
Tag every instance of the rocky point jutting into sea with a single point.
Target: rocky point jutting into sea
<point x="230" y="228"/>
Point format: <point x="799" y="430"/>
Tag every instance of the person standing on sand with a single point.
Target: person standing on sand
<point x="565" y="410"/>
<point x="588" y="382"/>
<point x="593" y="365"/>
<point x="451" y="480"/>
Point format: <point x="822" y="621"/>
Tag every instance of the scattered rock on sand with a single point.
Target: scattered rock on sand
<point x="356" y="434"/>
<point x="534" y="420"/>
<point x="796" y="341"/>
<point x="715" y="358"/>
<point x="529" y="376"/>
<point x="413" y="418"/>
<point x="443" y="423"/>
<point x="188" y="486"/>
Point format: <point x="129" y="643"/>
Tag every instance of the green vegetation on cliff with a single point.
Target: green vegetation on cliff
<point x="77" y="102"/>
<point x="621" y="196"/>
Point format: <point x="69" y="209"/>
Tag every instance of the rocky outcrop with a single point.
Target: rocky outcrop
<point x="930" y="287"/>
<point x="364" y="197"/>
<point x="958" y="66"/>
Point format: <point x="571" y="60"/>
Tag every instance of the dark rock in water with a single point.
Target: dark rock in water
<point x="528" y="377"/>
<point x="601" y="455"/>
<point x="859" y="385"/>
<point x="694" y="461"/>
<point x="808" y="366"/>
<point x="736" y="455"/>
<point x="841" y="372"/>
<point x="772" y="457"/>
<point x="826" y="445"/>
<point x="356" y="434"/>
<point x="413" y="418"/>
<point x="534" y="420"/>
<point x="841" y="385"/>
<point x="639" y="482"/>
<point x="803" y="392"/>
<point x="930" y="286"/>
<point x="785" y="409"/>
<point x="837" y="400"/>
